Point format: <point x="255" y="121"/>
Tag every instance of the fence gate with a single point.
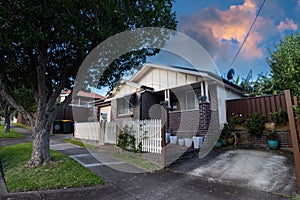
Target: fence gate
<point x="148" y="132"/>
<point x="110" y="136"/>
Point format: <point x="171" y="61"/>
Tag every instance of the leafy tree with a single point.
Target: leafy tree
<point x="43" y="44"/>
<point x="284" y="62"/>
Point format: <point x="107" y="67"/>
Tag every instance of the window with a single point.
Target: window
<point x="123" y="106"/>
<point x="190" y="102"/>
<point x="126" y="104"/>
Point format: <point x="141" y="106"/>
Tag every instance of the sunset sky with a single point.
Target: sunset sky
<point x="221" y="26"/>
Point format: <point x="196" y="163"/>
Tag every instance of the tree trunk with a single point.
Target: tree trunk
<point x="41" y="144"/>
<point x="7" y="119"/>
<point x="40" y="149"/>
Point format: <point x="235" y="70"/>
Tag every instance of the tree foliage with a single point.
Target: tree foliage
<point x="284" y="62"/>
<point x="43" y="44"/>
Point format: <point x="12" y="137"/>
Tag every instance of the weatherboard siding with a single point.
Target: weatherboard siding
<point x="161" y="79"/>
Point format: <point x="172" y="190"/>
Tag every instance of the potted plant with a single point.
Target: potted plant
<point x="197" y="140"/>
<point x="168" y="134"/>
<point x="273" y="141"/>
<point x="188" y="142"/>
<point x="227" y="136"/>
<point x="173" y="137"/>
<point x="218" y="143"/>
<point x="230" y="140"/>
<point x="181" y="141"/>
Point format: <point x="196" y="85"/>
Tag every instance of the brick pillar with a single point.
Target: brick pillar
<point x="213" y="132"/>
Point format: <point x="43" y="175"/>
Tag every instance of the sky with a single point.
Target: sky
<point x="220" y="26"/>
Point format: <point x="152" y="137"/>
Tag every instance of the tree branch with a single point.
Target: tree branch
<point x="9" y="98"/>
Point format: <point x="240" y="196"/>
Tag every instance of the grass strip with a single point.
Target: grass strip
<point x="135" y="160"/>
<point x="23" y="126"/>
<point x="80" y="143"/>
<point x="61" y="172"/>
<point x="12" y="134"/>
<point x="132" y="159"/>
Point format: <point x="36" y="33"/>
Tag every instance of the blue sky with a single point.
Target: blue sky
<point x="220" y="26"/>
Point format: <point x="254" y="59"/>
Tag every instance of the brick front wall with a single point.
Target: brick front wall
<point x="189" y="123"/>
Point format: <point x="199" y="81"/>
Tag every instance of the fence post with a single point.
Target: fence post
<point x="293" y="134"/>
<point x="102" y="132"/>
<point x="163" y="134"/>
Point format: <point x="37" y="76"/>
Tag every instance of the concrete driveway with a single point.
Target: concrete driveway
<point x="270" y="171"/>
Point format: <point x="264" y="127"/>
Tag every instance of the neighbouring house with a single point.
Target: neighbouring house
<point x="81" y="104"/>
<point x="193" y="98"/>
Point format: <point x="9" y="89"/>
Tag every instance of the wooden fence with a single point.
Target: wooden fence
<point x="264" y="105"/>
<point x="87" y="131"/>
<point x="146" y="131"/>
<point x="110" y="132"/>
<point x="82" y="114"/>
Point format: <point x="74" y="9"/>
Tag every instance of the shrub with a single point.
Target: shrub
<point x="297" y="111"/>
<point x="256" y="124"/>
<point x="126" y="140"/>
<point x="237" y="119"/>
<point x="280" y="116"/>
<point x="227" y="130"/>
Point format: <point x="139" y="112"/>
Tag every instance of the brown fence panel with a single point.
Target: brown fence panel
<point x="264" y="105"/>
<point x="82" y="114"/>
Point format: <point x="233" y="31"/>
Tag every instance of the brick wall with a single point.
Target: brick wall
<point x="148" y="100"/>
<point x="188" y="123"/>
<point x="245" y="140"/>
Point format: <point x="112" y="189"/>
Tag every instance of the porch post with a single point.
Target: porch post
<point x="206" y="91"/>
<point x="294" y="137"/>
<point x="202" y="88"/>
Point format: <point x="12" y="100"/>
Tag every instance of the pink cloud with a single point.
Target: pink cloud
<point x="220" y="30"/>
<point x="288" y="24"/>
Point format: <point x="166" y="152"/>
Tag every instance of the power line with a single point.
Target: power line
<point x="247" y="35"/>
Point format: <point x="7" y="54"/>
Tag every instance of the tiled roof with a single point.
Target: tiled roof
<point x="85" y="94"/>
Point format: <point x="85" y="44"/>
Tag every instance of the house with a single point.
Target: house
<point x="81" y="106"/>
<point x="193" y="98"/>
<point x="82" y="99"/>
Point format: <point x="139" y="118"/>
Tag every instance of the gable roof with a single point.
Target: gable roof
<point x="123" y="82"/>
<point x="81" y="93"/>
<point x="91" y="95"/>
<point x="187" y="70"/>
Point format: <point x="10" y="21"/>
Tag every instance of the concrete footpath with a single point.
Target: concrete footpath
<point x="125" y="181"/>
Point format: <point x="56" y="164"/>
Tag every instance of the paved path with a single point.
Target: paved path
<point x="162" y="184"/>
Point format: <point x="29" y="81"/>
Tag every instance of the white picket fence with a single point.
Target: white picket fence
<point x="146" y="131"/>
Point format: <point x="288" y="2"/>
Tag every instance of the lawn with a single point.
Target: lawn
<point x="62" y="172"/>
<point x="12" y="134"/>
